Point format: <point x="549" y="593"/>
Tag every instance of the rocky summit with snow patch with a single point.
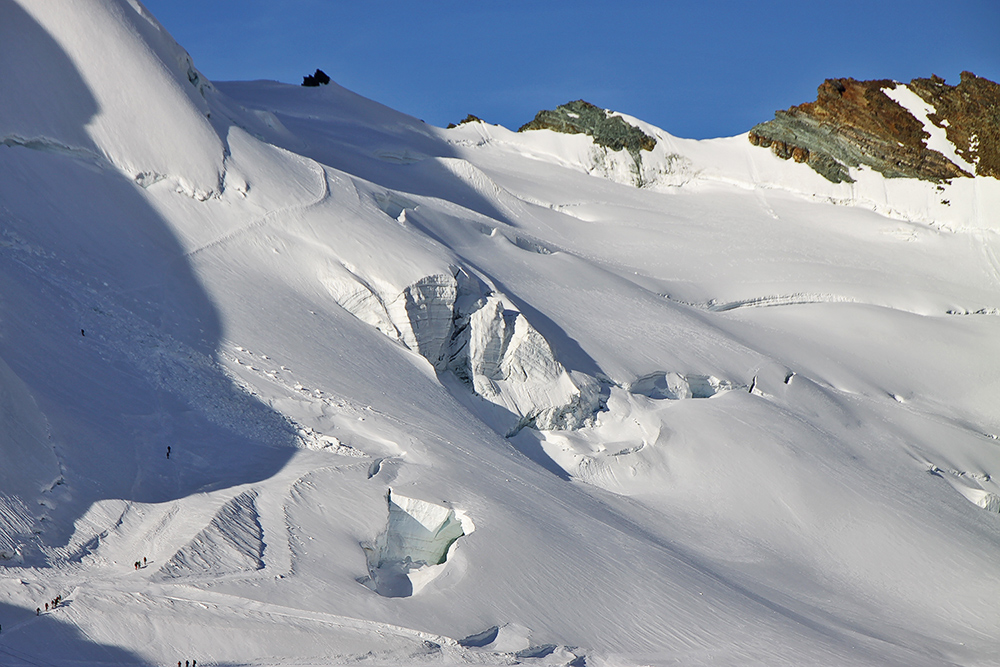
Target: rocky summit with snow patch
<point x="290" y="378"/>
<point x="602" y="126"/>
<point x="925" y="129"/>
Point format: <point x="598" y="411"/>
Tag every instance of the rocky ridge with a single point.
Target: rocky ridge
<point x="854" y="123"/>
<point x="606" y="129"/>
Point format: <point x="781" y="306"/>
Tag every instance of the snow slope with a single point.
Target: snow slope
<point x="470" y="396"/>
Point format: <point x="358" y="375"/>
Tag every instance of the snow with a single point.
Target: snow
<point x="471" y="396"/>
<point x="103" y="64"/>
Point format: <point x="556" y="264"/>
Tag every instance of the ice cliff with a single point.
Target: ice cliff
<point x="463" y="326"/>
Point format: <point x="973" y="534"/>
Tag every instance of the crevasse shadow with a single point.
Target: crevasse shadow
<point x="113" y="335"/>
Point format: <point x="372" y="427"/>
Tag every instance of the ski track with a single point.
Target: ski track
<point x="992" y="262"/>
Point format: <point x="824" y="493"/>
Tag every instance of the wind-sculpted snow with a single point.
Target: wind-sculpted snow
<point x="30" y="472"/>
<point x="233" y="542"/>
<point x="17" y="524"/>
<point x="978" y="488"/>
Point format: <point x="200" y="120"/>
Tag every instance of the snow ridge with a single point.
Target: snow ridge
<point x="232" y="543"/>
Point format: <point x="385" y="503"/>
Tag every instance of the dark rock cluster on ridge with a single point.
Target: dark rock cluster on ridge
<point x="604" y="129"/>
<point x="582" y="117"/>
<point x="855" y="123"/>
<point x="319" y="77"/>
<point x="468" y="119"/>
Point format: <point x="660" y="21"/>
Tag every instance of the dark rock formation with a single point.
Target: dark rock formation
<point x="315" y="79"/>
<point x="581" y="117"/>
<point x="468" y="119"/>
<point x="854" y="123"/>
<point x="612" y="132"/>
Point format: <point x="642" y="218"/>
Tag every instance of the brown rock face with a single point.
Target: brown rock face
<point x="855" y="123"/>
<point x="970" y="114"/>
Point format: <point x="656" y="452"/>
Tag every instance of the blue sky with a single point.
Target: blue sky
<point x="696" y="69"/>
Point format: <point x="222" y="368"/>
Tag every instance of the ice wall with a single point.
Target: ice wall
<point x="460" y="324"/>
<point x="418" y="539"/>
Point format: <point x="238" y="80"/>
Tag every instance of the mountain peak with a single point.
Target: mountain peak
<point x="604" y="127"/>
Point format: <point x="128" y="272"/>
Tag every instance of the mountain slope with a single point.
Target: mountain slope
<point x="470" y="395"/>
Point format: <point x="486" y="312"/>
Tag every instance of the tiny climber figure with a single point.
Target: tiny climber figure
<point x="81" y="333"/>
<point x="168" y="451"/>
<point x="144" y="561"/>
<point x="46" y="606"/>
<point x="37" y="611"/>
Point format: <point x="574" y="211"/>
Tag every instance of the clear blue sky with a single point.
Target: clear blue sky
<point x="702" y="68"/>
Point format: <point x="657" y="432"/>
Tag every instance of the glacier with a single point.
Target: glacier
<point x="469" y="395"/>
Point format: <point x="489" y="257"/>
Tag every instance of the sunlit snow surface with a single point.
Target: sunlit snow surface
<point x="738" y="416"/>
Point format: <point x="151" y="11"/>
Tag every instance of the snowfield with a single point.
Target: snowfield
<point x="471" y="396"/>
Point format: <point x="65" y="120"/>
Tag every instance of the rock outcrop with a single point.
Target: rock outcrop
<point x="468" y="119"/>
<point x="970" y="115"/>
<point x="601" y="125"/>
<point x="854" y="123"/>
<point x="318" y="78"/>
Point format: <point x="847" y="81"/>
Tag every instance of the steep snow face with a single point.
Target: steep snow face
<point x="231" y="543"/>
<point x="102" y="78"/>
